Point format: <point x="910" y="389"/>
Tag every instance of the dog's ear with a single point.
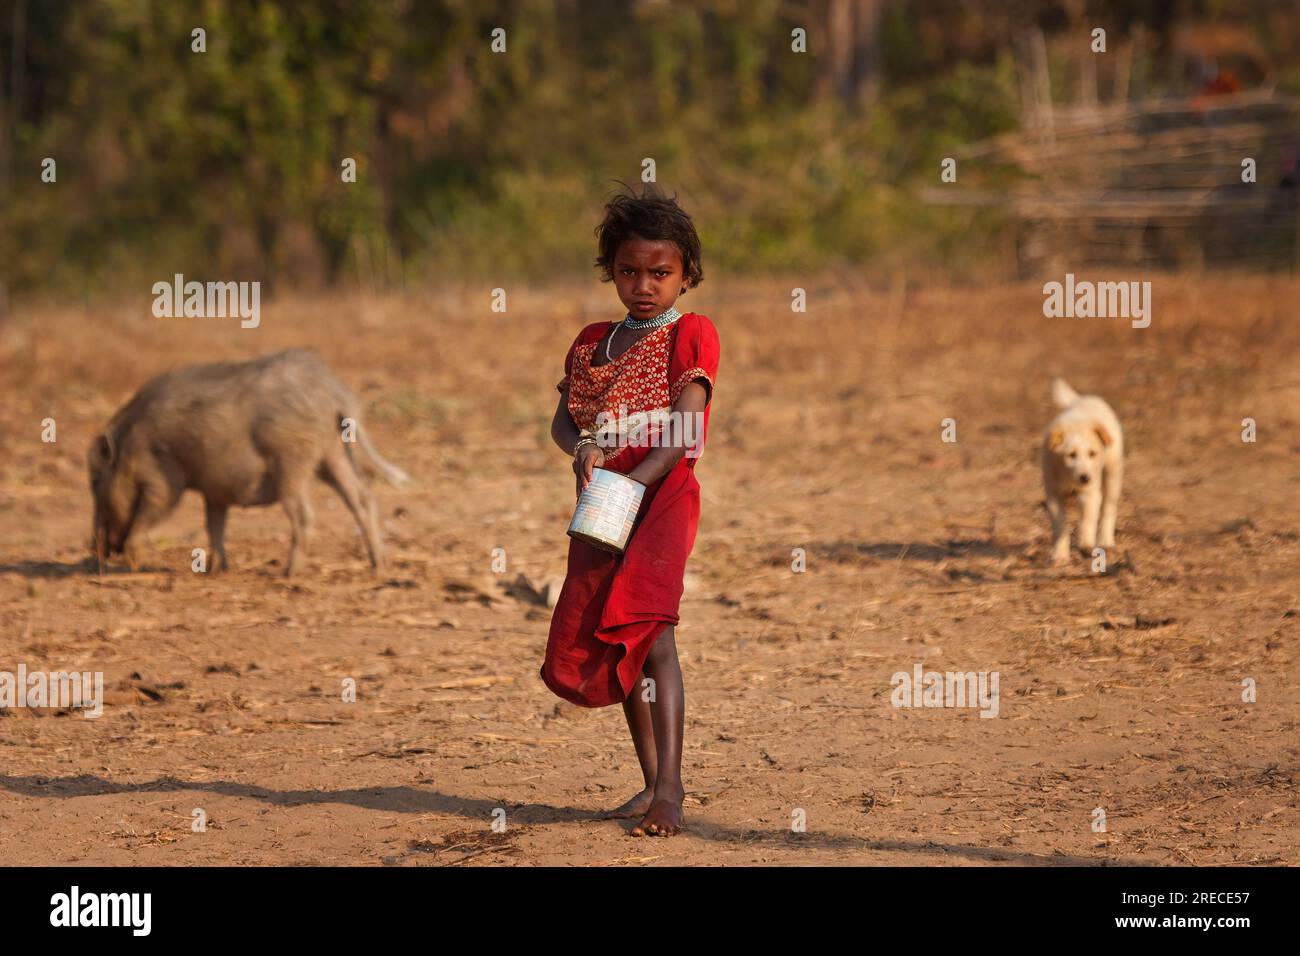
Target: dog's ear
<point x="1056" y="439"/>
<point x="1103" y="435"/>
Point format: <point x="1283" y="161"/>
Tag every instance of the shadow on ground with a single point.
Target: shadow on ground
<point x="416" y="800"/>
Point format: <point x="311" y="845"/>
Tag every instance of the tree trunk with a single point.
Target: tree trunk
<point x="866" y="49"/>
<point x="852" y="64"/>
<point x="11" y="107"/>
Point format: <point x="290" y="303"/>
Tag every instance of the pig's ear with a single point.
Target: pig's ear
<point x="104" y="449"/>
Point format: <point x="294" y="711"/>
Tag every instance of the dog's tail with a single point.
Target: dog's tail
<point x="1062" y="394"/>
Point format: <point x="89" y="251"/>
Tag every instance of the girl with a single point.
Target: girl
<point x="612" y="636"/>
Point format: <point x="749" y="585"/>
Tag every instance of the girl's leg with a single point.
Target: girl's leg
<point x="637" y="711"/>
<point x="667" y="712"/>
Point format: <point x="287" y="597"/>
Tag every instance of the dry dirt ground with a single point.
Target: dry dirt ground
<point x="1120" y="691"/>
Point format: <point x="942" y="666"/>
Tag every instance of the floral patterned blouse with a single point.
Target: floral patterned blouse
<point x="632" y="394"/>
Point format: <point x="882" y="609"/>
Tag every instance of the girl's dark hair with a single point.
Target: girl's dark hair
<point x="648" y="215"/>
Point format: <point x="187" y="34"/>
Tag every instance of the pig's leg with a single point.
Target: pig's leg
<point x="300" y="520"/>
<point x="216" y="518"/>
<point x="339" y="475"/>
<point x="372" y="514"/>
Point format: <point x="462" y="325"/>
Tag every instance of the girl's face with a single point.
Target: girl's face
<point x="648" y="275"/>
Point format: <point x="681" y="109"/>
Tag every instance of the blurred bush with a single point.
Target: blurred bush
<point x="471" y="163"/>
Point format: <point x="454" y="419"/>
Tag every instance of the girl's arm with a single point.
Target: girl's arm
<point x="565" y="434"/>
<point x="563" y="430"/>
<point x="661" y="460"/>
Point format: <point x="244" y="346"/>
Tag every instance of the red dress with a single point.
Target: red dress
<point x="613" y="607"/>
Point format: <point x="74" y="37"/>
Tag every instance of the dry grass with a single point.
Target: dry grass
<point x="1120" y="691"/>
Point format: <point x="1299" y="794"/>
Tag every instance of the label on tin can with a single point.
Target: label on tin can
<point x="607" y="509"/>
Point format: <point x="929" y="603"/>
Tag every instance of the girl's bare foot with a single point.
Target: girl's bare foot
<point x="633" y="808"/>
<point x="663" y="819"/>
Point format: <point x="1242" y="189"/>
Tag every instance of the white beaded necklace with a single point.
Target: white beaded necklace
<point x="663" y="318"/>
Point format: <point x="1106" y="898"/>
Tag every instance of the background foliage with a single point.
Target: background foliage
<point x="227" y="163"/>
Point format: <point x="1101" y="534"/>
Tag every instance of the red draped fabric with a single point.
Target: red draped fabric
<point x="613" y="607"/>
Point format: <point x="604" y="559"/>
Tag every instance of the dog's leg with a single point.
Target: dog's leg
<point x="1113" y="478"/>
<point x="1060" y="529"/>
<point x="1089" y="515"/>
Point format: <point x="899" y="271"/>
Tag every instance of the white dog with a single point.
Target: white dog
<point x="1083" y="454"/>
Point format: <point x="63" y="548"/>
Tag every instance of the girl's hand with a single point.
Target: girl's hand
<point x="589" y="457"/>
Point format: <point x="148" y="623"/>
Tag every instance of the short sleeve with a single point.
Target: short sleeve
<point x="568" y="366"/>
<point x="697" y="358"/>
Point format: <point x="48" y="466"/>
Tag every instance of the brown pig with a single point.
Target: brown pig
<point x="240" y="433"/>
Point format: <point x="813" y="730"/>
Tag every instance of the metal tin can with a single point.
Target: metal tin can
<point x="606" y="510"/>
